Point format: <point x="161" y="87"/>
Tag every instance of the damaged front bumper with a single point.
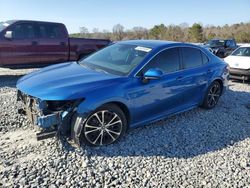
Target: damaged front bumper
<point x="38" y="113"/>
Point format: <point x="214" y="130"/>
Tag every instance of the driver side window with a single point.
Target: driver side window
<point x="23" y="31"/>
<point x="168" y="61"/>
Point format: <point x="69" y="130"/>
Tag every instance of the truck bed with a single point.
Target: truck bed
<point x="80" y="47"/>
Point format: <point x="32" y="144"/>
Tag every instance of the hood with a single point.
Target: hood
<point x="238" y="62"/>
<point x="66" y="81"/>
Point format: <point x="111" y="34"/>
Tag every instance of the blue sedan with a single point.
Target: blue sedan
<point x="125" y="85"/>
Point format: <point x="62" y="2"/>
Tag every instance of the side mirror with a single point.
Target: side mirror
<point x="8" y="35"/>
<point x="152" y="74"/>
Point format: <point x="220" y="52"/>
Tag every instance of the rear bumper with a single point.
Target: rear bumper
<point x="242" y="74"/>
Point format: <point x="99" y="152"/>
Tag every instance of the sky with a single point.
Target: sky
<point x="104" y="14"/>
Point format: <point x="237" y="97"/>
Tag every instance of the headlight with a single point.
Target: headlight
<point x="62" y="105"/>
<point x="59" y="105"/>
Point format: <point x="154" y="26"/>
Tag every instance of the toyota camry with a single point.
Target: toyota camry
<point x="125" y="85"/>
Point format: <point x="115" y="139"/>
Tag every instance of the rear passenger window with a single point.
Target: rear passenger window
<point x="167" y="60"/>
<point x="50" y="31"/>
<point x="191" y="57"/>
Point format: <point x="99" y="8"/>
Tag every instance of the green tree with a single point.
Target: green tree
<point x="158" y="31"/>
<point x="195" y="33"/>
<point x="211" y="36"/>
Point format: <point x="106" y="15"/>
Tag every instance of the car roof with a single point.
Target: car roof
<point x="222" y="39"/>
<point x="245" y="45"/>
<point x="14" y="21"/>
<point x="154" y="43"/>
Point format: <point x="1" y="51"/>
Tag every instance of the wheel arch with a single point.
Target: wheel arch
<point x="220" y="82"/>
<point x="123" y="107"/>
<point x="76" y="128"/>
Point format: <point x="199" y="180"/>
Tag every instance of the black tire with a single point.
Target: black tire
<point x="221" y="54"/>
<point x="212" y="95"/>
<point x="96" y="133"/>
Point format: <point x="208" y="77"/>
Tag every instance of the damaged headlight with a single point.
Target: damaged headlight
<point x="59" y="105"/>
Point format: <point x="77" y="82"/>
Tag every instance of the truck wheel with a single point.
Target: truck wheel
<point x="106" y="125"/>
<point x="220" y="55"/>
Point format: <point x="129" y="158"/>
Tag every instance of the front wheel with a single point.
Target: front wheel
<point x="212" y="96"/>
<point x="104" y="126"/>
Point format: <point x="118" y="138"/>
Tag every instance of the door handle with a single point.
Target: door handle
<point x="209" y="71"/>
<point x="34" y="43"/>
<point x="62" y="43"/>
<point x="179" y="78"/>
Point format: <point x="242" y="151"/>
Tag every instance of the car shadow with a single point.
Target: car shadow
<point x="186" y="135"/>
<point x="9" y="80"/>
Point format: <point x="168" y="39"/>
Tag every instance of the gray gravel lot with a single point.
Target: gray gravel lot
<point x="198" y="148"/>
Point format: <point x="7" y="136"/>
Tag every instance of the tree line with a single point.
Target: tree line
<point x="183" y="32"/>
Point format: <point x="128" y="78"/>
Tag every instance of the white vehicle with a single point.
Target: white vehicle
<point x="239" y="63"/>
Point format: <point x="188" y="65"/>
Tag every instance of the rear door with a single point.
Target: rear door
<point x="22" y="48"/>
<point x="195" y="75"/>
<point x="53" y="43"/>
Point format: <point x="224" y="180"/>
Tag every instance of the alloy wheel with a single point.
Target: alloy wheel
<point x="103" y="127"/>
<point x="214" y="95"/>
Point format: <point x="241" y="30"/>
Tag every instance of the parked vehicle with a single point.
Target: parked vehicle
<point x="125" y="85"/>
<point x="36" y="43"/>
<point x="221" y="47"/>
<point x="239" y="63"/>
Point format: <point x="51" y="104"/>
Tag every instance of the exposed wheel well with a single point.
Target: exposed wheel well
<point x="221" y="83"/>
<point x="124" y="108"/>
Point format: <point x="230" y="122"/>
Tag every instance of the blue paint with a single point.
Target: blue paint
<point x="146" y="102"/>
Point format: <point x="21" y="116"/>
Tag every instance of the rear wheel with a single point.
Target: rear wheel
<point x="212" y="96"/>
<point x="104" y="126"/>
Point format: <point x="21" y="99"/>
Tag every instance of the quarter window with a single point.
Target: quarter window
<point x="192" y="57"/>
<point x="168" y="61"/>
<point x="204" y="58"/>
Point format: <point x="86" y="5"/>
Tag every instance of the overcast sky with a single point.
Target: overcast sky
<point x="103" y="14"/>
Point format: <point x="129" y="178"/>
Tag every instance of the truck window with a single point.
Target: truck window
<point x="232" y="44"/>
<point x="23" y="31"/>
<point x="50" y="31"/>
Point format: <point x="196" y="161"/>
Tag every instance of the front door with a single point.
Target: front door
<point x="22" y="47"/>
<point x="158" y="97"/>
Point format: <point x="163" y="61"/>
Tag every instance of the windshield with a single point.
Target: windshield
<point x="243" y="51"/>
<point x="3" y="25"/>
<point x="118" y="59"/>
<point x="215" y="43"/>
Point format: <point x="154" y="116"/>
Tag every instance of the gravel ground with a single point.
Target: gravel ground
<point x="198" y="148"/>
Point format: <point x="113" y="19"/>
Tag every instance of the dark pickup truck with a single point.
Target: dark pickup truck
<point x="34" y="43"/>
<point x="221" y="47"/>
